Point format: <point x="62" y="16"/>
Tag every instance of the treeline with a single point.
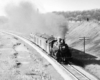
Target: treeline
<point x="81" y="15"/>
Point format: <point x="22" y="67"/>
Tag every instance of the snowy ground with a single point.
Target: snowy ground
<point x="18" y="61"/>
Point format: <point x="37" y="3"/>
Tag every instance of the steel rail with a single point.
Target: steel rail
<point x="78" y="74"/>
<point x="70" y="64"/>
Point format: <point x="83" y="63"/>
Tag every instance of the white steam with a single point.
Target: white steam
<point x="26" y="18"/>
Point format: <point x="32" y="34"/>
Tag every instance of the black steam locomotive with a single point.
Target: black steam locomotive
<point x="57" y="48"/>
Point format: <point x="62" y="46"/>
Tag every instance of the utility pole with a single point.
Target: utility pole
<point x="84" y="39"/>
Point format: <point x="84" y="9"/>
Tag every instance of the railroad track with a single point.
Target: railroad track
<point x="73" y="72"/>
<point x="78" y="75"/>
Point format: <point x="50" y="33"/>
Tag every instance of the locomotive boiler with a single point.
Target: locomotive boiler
<point x="55" y="47"/>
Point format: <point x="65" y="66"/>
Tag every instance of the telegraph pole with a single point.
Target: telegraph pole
<point x="84" y="39"/>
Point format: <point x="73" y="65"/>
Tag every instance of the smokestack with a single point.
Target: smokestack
<point x="61" y="41"/>
<point x="63" y="28"/>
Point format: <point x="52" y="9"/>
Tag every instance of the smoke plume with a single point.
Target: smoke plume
<point x="26" y="18"/>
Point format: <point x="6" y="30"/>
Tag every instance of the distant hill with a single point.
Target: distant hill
<point x="81" y="15"/>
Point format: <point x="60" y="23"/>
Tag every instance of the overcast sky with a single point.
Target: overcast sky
<point x="55" y="5"/>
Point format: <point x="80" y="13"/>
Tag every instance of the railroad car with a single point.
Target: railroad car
<point x="54" y="47"/>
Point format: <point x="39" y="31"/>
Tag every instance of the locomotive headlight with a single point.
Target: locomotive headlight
<point x="63" y="47"/>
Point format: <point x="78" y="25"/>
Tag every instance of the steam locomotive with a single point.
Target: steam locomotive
<point x="55" y="47"/>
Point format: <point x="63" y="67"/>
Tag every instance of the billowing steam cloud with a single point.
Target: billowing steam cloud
<point x="26" y="18"/>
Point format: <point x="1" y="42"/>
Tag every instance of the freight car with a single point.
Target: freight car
<point x="55" y="47"/>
